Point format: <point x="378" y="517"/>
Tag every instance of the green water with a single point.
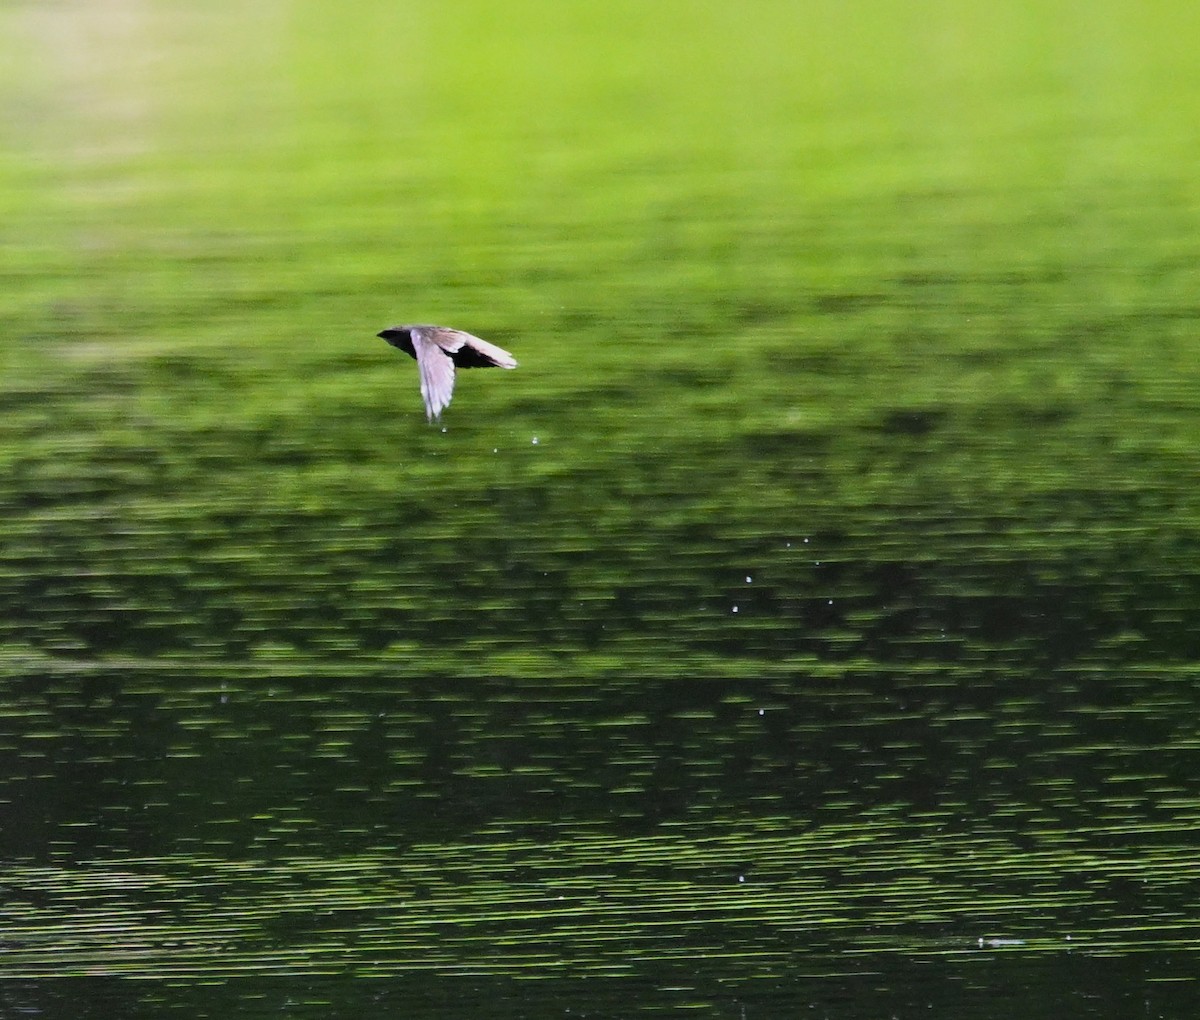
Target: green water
<point x="808" y="622"/>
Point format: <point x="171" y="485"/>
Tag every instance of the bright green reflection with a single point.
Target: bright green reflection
<point x="849" y="473"/>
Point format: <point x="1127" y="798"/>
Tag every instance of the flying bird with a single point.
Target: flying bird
<point x="438" y="351"/>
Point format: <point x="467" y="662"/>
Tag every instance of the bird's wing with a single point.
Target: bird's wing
<point x="437" y="373"/>
<point x="469" y="351"/>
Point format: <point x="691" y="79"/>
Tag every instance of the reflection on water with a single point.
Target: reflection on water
<point x="806" y="627"/>
<point x="831" y="827"/>
<point x="108" y="760"/>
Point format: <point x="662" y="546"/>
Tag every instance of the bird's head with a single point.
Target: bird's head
<point x="397" y="336"/>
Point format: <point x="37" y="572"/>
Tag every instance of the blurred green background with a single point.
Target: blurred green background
<point x="919" y="278"/>
<point x="846" y="485"/>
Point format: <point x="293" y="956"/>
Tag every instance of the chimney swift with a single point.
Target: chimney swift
<point x="438" y="351"/>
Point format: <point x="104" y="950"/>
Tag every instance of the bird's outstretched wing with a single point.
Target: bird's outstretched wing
<point x="436" y="371"/>
<point x="468" y="351"/>
<point x="439" y="350"/>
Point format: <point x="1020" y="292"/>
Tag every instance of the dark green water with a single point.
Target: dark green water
<point x="806" y="627"/>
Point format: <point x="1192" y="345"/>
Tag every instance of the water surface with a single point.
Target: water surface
<point x="806" y="625"/>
